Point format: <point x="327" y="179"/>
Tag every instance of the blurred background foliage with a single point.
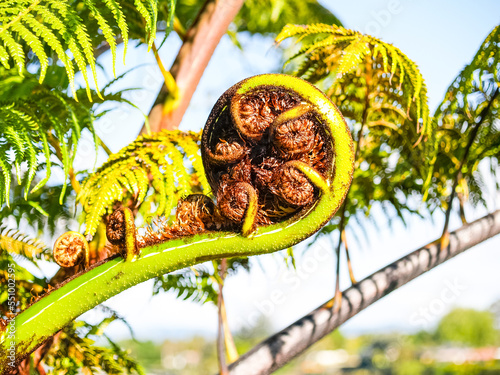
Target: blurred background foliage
<point x="465" y="341"/>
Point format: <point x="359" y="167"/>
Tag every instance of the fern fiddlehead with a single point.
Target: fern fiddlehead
<point x="121" y="231"/>
<point x="265" y="176"/>
<point x="71" y="249"/>
<point x="254" y="148"/>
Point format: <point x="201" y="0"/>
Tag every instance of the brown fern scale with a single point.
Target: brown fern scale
<point x="194" y="214"/>
<point x="249" y="122"/>
<point x="245" y="152"/>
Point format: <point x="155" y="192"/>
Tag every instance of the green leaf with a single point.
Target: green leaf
<point x="65" y="32"/>
<point x="163" y="156"/>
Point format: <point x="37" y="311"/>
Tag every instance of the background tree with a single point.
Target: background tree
<point x="470" y="327"/>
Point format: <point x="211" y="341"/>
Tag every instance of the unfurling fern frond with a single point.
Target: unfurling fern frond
<point x="55" y="27"/>
<point x="19" y="243"/>
<point x="156" y="161"/>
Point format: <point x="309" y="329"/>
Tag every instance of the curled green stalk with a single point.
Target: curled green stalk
<point x="288" y="196"/>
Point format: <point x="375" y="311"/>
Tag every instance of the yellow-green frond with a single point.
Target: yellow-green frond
<point x="359" y="72"/>
<point x="36" y="127"/>
<point x="154" y="172"/>
<point x="16" y="242"/>
<point x="56" y="29"/>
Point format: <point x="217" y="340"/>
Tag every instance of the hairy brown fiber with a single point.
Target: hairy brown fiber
<point x="254" y="112"/>
<point x="246" y="144"/>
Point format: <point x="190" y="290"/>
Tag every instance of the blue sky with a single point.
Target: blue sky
<point x="441" y="37"/>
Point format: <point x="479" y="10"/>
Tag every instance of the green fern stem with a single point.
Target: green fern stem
<point x="51" y="313"/>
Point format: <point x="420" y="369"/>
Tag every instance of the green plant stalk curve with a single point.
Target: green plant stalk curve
<point x="51" y="313"/>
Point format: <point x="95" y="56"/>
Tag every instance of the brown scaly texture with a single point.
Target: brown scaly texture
<point x="246" y="125"/>
<point x="245" y="151"/>
<point x="195" y="214"/>
<point x="69" y="250"/>
<point x="115" y="229"/>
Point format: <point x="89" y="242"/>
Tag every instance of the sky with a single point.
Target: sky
<point x="441" y="37"/>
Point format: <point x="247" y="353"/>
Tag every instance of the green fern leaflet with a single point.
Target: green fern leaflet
<point x="157" y="161"/>
<point x="36" y="124"/>
<point x="19" y="243"/>
<point x="343" y="56"/>
<point x="55" y="29"/>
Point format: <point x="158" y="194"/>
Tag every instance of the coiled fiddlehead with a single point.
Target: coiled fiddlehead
<point x="252" y="145"/>
<point x="275" y="197"/>
<point x="71" y="249"/>
<point x="120" y="231"/>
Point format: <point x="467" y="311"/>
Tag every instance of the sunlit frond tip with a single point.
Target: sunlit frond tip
<point x="333" y="52"/>
<point x="19" y="243"/>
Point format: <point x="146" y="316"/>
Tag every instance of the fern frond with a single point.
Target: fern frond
<point x="148" y="10"/>
<point x="16" y="242"/>
<point x="472" y="100"/>
<point x="14" y="49"/>
<point x="342" y="55"/>
<point x="74" y="350"/>
<point x="484" y="67"/>
<point x="159" y="161"/>
<point x="65" y="34"/>
<point x="121" y="22"/>
<point x="40" y="123"/>
<point x="197" y="286"/>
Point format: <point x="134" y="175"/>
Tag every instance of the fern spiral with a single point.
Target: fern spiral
<point x="262" y="132"/>
<point x="109" y="277"/>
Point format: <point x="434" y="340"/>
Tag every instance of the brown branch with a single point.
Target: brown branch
<point x="200" y="42"/>
<point x="282" y="347"/>
<point x="104" y="47"/>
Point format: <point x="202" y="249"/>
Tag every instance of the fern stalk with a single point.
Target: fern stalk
<point x="45" y="317"/>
